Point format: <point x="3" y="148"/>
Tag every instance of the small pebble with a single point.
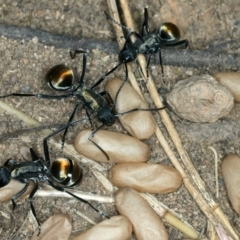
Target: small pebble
<point x="35" y="40"/>
<point x="200" y="99"/>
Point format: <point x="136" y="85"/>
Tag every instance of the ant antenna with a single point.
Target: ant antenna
<point x="119" y="24"/>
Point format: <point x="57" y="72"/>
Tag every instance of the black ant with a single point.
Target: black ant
<point x="168" y="36"/>
<point x="61" y="78"/>
<point x="65" y="172"/>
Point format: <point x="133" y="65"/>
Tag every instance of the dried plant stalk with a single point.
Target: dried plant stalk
<point x="85" y="217"/>
<point x="211" y="210"/>
<point x="211" y="231"/>
<point x="171" y="217"/>
<point x="103" y="180"/>
<point x="215" y="169"/>
<point x="80" y="194"/>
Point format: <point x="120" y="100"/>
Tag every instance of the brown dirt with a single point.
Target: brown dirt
<point x="23" y="66"/>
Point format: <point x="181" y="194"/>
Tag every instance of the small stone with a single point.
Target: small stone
<point x="35" y="55"/>
<point x="57" y="15"/>
<point x="35" y="40"/>
<point x="25" y="61"/>
<point x="189" y="73"/>
<point x="200" y="99"/>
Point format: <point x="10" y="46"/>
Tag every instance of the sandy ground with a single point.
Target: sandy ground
<point x="25" y="61"/>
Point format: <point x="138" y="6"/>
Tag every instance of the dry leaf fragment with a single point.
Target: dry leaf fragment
<point x="119" y="147"/>
<point x="231" y="81"/>
<point x="139" y="124"/>
<point x="200" y="99"/>
<point x="57" y="227"/>
<point x="146" y="177"/>
<point x="117" y="228"/>
<point x="146" y="223"/>
<point x="231" y="176"/>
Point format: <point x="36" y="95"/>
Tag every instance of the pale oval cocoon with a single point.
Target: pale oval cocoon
<point x="117" y="228"/>
<point x="231" y="176"/>
<point x="14" y="187"/>
<point x="139" y="124"/>
<point x="119" y="147"/>
<point x="146" y="177"/>
<point x="231" y="81"/>
<point x="146" y="223"/>
<point x="58" y="226"/>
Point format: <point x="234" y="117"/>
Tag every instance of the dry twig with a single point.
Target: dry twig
<point x="80" y="194"/>
<point x="216" y="169"/>
<point x="85" y="217"/>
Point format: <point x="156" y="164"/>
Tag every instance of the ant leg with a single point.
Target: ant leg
<point x="31" y="204"/>
<point x="148" y="62"/>
<point x="139" y="109"/>
<point x="33" y="155"/>
<point x="90" y="139"/>
<point x="72" y="55"/>
<point x="69" y="121"/>
<point x="19" y="194"/>
<point x="38" y="95"/>
<point x="89" y="117"/>
<point x="45" y="145"/>
<point x="160" y="60"/>
<point x="185" y="43"/>
<point x="120" y="88"/>
<point x="104" y="76"/>
<point x="75" y="52"/>
<point x="47" y="158"/>
<point x="61" y="189"/>
<point x="145" y="22"/>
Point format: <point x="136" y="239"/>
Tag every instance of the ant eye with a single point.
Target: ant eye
<point x="66" y="172"/>
<point x="169" y="32"/>
<point x="60" y="77"/>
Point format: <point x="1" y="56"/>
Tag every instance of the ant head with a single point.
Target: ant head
<point x="60" y="77"/>
<point x="66" y="172"/>
<point x="169" y="32"/>
<point x="128" y="53"/>
<point x="106" y="115"/>
<point x="5" y="176"/>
